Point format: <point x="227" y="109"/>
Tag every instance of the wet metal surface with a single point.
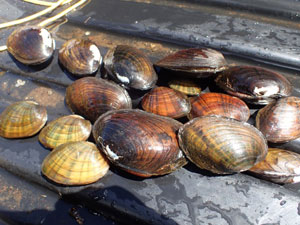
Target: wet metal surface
<point x="187" y="196"/>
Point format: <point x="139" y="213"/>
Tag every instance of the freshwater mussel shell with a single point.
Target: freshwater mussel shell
<point x="185" y="86"/>
<point x="65" y="129"/>
<point x="31" y="45"/>
<point x="219" y="104"/>
<point x="222" y="145"/>
<point x="196" y="62"/>
<point x="80" y="57"/>
<point x="22" y="119"/>
<point x="255" y="85"/>
<point x="75" y="163"/>
<point x="165" y="101"/>
<point x="280" y="121"/>
<point x="130" y="67"/>
<point x="280" y="166"/>
<point x="141" y="143"/>
<point x="90" y="97"/>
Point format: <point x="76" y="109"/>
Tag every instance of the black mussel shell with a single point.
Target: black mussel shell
<point x="130" y="67"/>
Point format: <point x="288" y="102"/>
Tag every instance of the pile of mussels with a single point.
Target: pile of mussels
<point x="153" y="141"/>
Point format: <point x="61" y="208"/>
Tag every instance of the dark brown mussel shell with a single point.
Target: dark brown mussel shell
<point x="80" y="57"/>
<point x="197" y="62"/>
<point x="280" y="166"/>
<point x="255" y="85"/>
<point x="222" y="145"/>
<point x="280" y="121"/>
<point x="130" y="67"/>
<point x="165" y="101"/>
<point x="90" y="97"/>
<point x="31" y="45"/>
<point x="141" y="143"/>
<point x="219" y="104"/>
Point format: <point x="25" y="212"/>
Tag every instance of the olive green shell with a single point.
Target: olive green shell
<point x="222" y="145"/>
<point x="22" y="119"/>
<point x="75" y="163"/>
<point x="65" y="129"/>
<point x="185" y="86"/>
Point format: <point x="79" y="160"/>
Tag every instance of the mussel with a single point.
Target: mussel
<point x="185" y="86"/>
<point x="22" y="119"/>
<point x="280" y="166"/>
<point x="280" y="121"/>
<point x="222" y="145"/>
<point x="75" y="163"/>
<point x="80" y="57"/>
<point x="139" y="142"/>
<point x="130" y="67"/>
<point x="255" y="85"/>
<point x="165" y="101"/>
<point x="219" y="104"/>
<point x="65" y="129"/>
<point x="90" y="97"/>
<point x="31" y="45"/>
<point x="195" y="62"/>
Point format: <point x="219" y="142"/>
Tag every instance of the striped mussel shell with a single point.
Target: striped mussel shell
<point x="165" y="101"/>
<point x="219" y="104"/>
<point x="141" y="143"/>
<point x="130" y="67"/>
<point x="185" y="86"/>
<point x="195" y="62"/>
<point x="80" y="57"/>
<point x="22" y="119"/>
<point x="280" y="166"/>
<point x="90" y="97"/>
<point x="222" y="145"/>
<point x="75" y="163"/>
<point x="254" y="84"/>
<point x="65" y="129"/>
<point x="280" y="121"/>
<point x="31" y="45"/>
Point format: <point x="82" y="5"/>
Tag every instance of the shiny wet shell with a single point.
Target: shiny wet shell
<point x="31" y="45"/>
<point x="198" y="62"/>
<point x="219" y="104"/>
<point x="139" y="142"/>
<point x="65" y="129"/>
<point x="166" y="102"/>
<point x="280" y="121"/>
<point x="75" y="163"/>
<point x="280" y="166"/>
<point x="222" y="145"/>
<point x="255" y="85"/>
<point x="22" y="119"/>
<point x="130" y="67"/>
<point x="80" y="57"/>
<point x="90" y="97"/>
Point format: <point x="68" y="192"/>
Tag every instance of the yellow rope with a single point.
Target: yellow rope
<point x="45" y="11"/>
<point x="33" y="16"/>
<point x="62" y="13"/>
<point x="3" y="48"/>
<point x="45" y="3"/>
